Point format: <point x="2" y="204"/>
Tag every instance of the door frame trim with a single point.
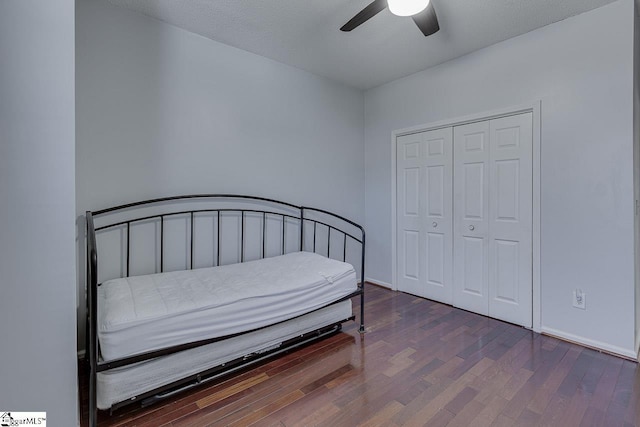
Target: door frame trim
<point x="535" y="108"/>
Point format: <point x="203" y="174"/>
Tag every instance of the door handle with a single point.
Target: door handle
<point x="434" y="224"/>
<point x="471" y="227"/>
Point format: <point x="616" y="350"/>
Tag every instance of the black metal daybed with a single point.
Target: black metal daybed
<point x="194" y="288"/>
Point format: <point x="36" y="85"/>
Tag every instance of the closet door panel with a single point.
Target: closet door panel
<point x="437" y="217"/>
<point x="410" y="187"/>
<point x="471" y="211"/>
<point x="473" y="255"/>
<point x="510" y="213"/>
<point x="473" y="189"/>
<point x="424" y="212"/>
<point x="436" y="259"/>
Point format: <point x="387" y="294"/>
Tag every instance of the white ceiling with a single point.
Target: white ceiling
<point x="305" y="33"/>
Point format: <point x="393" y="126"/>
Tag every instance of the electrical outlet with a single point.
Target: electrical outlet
<point x="579" y="299"/>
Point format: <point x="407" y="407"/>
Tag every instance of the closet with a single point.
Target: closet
<point x="464" y="216"/>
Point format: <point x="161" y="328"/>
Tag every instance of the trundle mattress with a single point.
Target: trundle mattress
<point x="143" y="313"/>
<point x="119" y="384"/>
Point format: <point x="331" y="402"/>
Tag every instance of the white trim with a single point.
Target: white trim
<point x="590" y="343"/>
<point x="537" y="209"/>
<point x="394" y="222"/>
<point x="379" y="283"/>
<point x="536" y="109"/>
<point x="471" y="118"/>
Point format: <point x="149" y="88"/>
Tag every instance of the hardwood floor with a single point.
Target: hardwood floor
<point x="420" y="363"/>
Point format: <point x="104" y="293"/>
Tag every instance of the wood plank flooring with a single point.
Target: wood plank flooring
<point x="420" y="363"/>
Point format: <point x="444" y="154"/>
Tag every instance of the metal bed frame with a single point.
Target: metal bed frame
<point x="303" y="215"/>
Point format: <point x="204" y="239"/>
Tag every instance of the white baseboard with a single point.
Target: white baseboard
<point x="598" y="345"/>
<point x="380" y="283"/>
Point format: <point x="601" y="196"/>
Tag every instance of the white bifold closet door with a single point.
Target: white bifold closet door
<point x="425" y="217"/>
<point x="492" y="260"/>
<point x="464" y="209"/>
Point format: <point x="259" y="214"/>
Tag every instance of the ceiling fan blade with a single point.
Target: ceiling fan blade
<point x="427" y="20"/>
<point x="365" y="14"/>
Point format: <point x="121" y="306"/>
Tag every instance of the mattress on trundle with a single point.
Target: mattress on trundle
<point x="120" y="384"/>
<point x="144" y="313"/>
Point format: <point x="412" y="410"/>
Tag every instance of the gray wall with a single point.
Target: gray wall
<point x="636" y="158"/>
<point x="37" y="252"/>
<point x="162" y="111"/>
<point x="584" y="78"/>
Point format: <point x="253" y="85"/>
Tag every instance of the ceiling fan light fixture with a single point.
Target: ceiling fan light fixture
<point x="407" y="7"/>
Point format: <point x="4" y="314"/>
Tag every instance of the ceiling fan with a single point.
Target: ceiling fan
<point x="421" y="11"/>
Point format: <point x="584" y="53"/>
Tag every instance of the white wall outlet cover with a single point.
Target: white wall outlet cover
<point x="579" y="299"/>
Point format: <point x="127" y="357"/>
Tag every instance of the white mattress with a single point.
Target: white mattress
<point x="144" y="313"/>
<point x="120" y="384"/>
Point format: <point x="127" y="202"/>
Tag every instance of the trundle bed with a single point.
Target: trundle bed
<point x="253" y="278"/>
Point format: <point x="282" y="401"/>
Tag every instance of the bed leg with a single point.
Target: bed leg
<point x="361" y="330"/>
<point x="93" y="409"/>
